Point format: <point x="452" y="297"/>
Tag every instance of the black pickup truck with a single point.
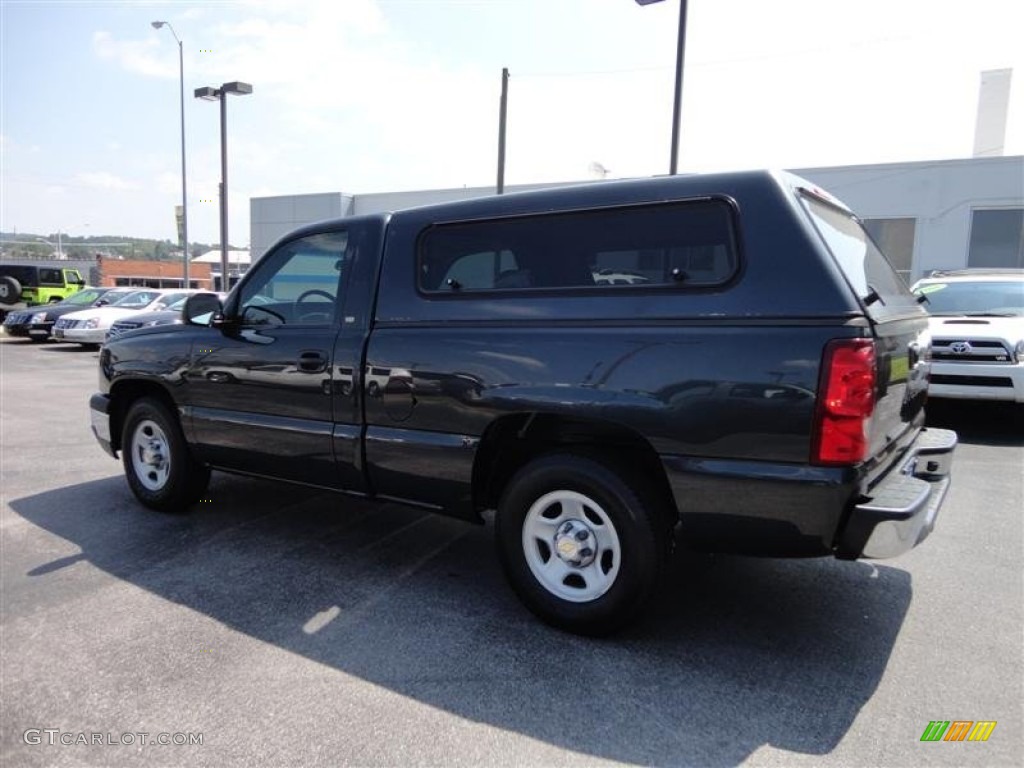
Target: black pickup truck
<point x="726" y="361"/>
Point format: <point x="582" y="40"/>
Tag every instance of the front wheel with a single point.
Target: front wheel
<point x="580" y="543"/>
<point x="160" y="469"/>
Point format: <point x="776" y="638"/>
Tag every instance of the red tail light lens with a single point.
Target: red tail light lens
<point x="846" y="400"/>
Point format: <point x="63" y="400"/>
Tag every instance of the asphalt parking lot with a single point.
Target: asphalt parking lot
<point x="286" y="626"/>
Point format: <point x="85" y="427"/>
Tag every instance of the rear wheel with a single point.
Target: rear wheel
<point x="10" y="291"/>
<point x="580" y="542"/>
<point x="161" y="471"/>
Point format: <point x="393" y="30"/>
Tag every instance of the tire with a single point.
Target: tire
<point x="580" y="543"/>
<point x="55" y="300"/>
<point x="10" y="291"/>
<point x="161" y="471"/>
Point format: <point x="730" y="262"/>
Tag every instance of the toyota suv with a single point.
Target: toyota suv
<point x="977" y="325"/>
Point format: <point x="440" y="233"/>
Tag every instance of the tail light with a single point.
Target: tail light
<point x="846" y="400"/>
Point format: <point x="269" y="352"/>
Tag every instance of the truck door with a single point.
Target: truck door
<point x="259" y="390"/>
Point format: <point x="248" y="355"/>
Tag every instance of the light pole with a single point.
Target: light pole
<point x="677" y="106"/>
<point x="208" y="93"/>
<point x="184" y="195"/>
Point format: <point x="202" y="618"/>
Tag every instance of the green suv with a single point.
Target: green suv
<point x="24" y="285"/>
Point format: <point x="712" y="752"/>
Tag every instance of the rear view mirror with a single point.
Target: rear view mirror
<point x="201" y="308"/>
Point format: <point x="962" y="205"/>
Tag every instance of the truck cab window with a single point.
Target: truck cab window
<point x="298" y="284"/>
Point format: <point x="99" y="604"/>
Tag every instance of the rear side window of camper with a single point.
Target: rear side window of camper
<point x="679" y="244"/>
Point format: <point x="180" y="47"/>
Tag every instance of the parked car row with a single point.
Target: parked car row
<point x="977" y="326"/>
<point x="93" y="314"/>
<point x="36" y="323"/>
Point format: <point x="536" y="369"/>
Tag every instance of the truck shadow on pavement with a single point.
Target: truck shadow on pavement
<point x="735" y="653"/>
<point x="64" y="349"/>
<point x="979" y="422"/>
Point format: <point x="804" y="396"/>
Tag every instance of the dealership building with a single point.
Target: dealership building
<point x="946" y="214"/>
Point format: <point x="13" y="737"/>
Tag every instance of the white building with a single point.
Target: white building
<point x="946" y="214"/>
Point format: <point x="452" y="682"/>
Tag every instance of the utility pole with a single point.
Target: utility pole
<point x="677" y="107"/>
<point x="502" y="120"/>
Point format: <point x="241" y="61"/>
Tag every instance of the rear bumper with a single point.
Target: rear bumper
<point x="799" y="510"/>
<point x="901" y="509"/>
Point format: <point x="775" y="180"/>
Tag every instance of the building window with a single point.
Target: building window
<point x="997" y="238"/>
<point x="895" y="238"/>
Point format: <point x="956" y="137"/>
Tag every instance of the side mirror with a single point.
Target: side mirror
<point x="101" y="302"/>
<point x="201" y="309"/>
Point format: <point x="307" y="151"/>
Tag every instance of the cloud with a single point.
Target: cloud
<point x="104" y="180"/>
<point x="11" y="147"/>
<point x="350" y="96"/>
<point x="193" y="14"/>
<point x="167" y="183"/>
<point x="137" y="56"/>
<point x="328" y="77"/>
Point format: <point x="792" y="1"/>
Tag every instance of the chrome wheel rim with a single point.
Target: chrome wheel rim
<point x="571" y="546"/>
<point x="151" y="455"/>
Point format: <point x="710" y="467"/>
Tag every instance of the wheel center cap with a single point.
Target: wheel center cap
<point x="151" y="455"/>
<point x="575" y="543"/>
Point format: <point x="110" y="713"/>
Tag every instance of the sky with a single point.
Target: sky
<point x="363" y="96"/>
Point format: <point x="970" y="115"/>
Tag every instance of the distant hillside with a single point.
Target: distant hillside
<point x="14" y="245"/>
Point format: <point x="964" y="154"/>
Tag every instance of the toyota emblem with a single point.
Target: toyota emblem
<point x="961" y="347"/>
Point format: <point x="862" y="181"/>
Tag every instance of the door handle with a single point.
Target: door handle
<point x="312" y="361"/>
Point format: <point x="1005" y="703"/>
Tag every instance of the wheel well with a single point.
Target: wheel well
<point x="123" y="394"/>
<point x="512" y="441"/>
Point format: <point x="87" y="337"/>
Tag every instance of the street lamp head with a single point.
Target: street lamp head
<point x="162" y="24"/>
<point x="209" y="93"/>
<point x="647" y="2"/>
<point x="239" y="88"/>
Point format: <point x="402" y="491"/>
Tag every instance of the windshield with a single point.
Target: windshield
<point x="991" y="298"/>
<point x="136" y="299"/>
<point x="171" y="301"/>
<point x="83" y="298"/>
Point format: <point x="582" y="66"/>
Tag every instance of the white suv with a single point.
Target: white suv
<point x="977" y="327"/>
